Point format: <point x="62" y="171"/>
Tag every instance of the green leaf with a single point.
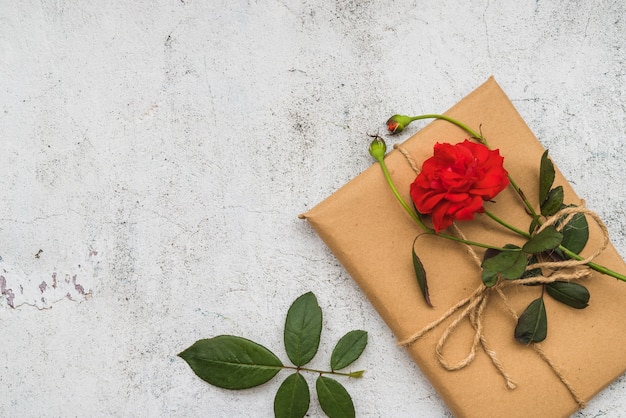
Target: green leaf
<point x="532" y="325"/>
<point x="293" y="398"/>
<point x="508" y="264"/>
<point x="576" y="233"/>
<point x="334" y="398"/>
<point x="231" y="362"/>
<point x="553" y="201"/>
<point x="420" y="275"/>
<point x="303" y="328"/>
<point x="546" y="177"/>
<point x="348" y="349"/>
<point x="571" y="294"/>
<point x="548" y="239"/>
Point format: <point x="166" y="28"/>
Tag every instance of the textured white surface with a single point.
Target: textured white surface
<point x="159" y="152"/>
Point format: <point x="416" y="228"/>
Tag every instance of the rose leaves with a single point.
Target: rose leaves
<point x="532" y="325"/>
<point x="303" y="328"/>
<point x="292" y="398"/>
<point x="507" y="264"/>
<point x="571" y="294"/>
<point x="547" y="239"/>
<point x="333" y="397"/>
<point x="231" y="362"/>
<point x="512" y="261"/>
<point x="550" y="243"/>
<point x="348" y="349"/>
<point x="420" y="275"/>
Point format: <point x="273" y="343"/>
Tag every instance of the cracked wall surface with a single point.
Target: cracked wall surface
<point x="156" y="154"/>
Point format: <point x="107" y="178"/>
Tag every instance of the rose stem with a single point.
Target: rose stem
<point x="594" y="266"/>
<point x="356" y="374"/>
<point x="406" y="207"/>
<point x="507" y="225"/>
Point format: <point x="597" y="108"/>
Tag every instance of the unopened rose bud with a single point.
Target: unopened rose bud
<point x="378" y="148"/>
<point x="397" y="123"/>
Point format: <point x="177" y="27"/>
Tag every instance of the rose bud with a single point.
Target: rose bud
<point x="397" y="123"/>
<point x="378" y="148"/>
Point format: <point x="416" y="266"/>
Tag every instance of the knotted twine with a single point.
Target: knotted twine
<point x="477" y="301"/>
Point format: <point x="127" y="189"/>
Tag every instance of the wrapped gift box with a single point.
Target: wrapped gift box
<point x="371" y="235"/>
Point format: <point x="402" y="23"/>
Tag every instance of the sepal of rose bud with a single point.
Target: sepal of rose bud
<point x="378" y="148"/>
<point x="397" y="123"/>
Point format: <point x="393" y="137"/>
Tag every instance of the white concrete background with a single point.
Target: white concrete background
<point x="156" y="154"/>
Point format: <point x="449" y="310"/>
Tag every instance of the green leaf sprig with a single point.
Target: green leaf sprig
<point x="232" y="362"/>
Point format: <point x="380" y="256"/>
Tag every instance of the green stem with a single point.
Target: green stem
<point x="473" y="243"/>
<point x="305" y="369"/>
<point x="454" y="122"/>
<point x="597" y="267"/>
<point x="507" y="225"/>
<point x="406" y="207"/>
<point x="521" y="194"/>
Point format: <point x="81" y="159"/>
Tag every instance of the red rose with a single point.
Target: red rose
<point x="456" y="180"/>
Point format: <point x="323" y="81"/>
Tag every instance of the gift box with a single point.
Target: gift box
<point x="371" y="235"/>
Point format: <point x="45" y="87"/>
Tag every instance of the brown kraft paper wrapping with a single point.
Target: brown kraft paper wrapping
<point x="371" y="235"/>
